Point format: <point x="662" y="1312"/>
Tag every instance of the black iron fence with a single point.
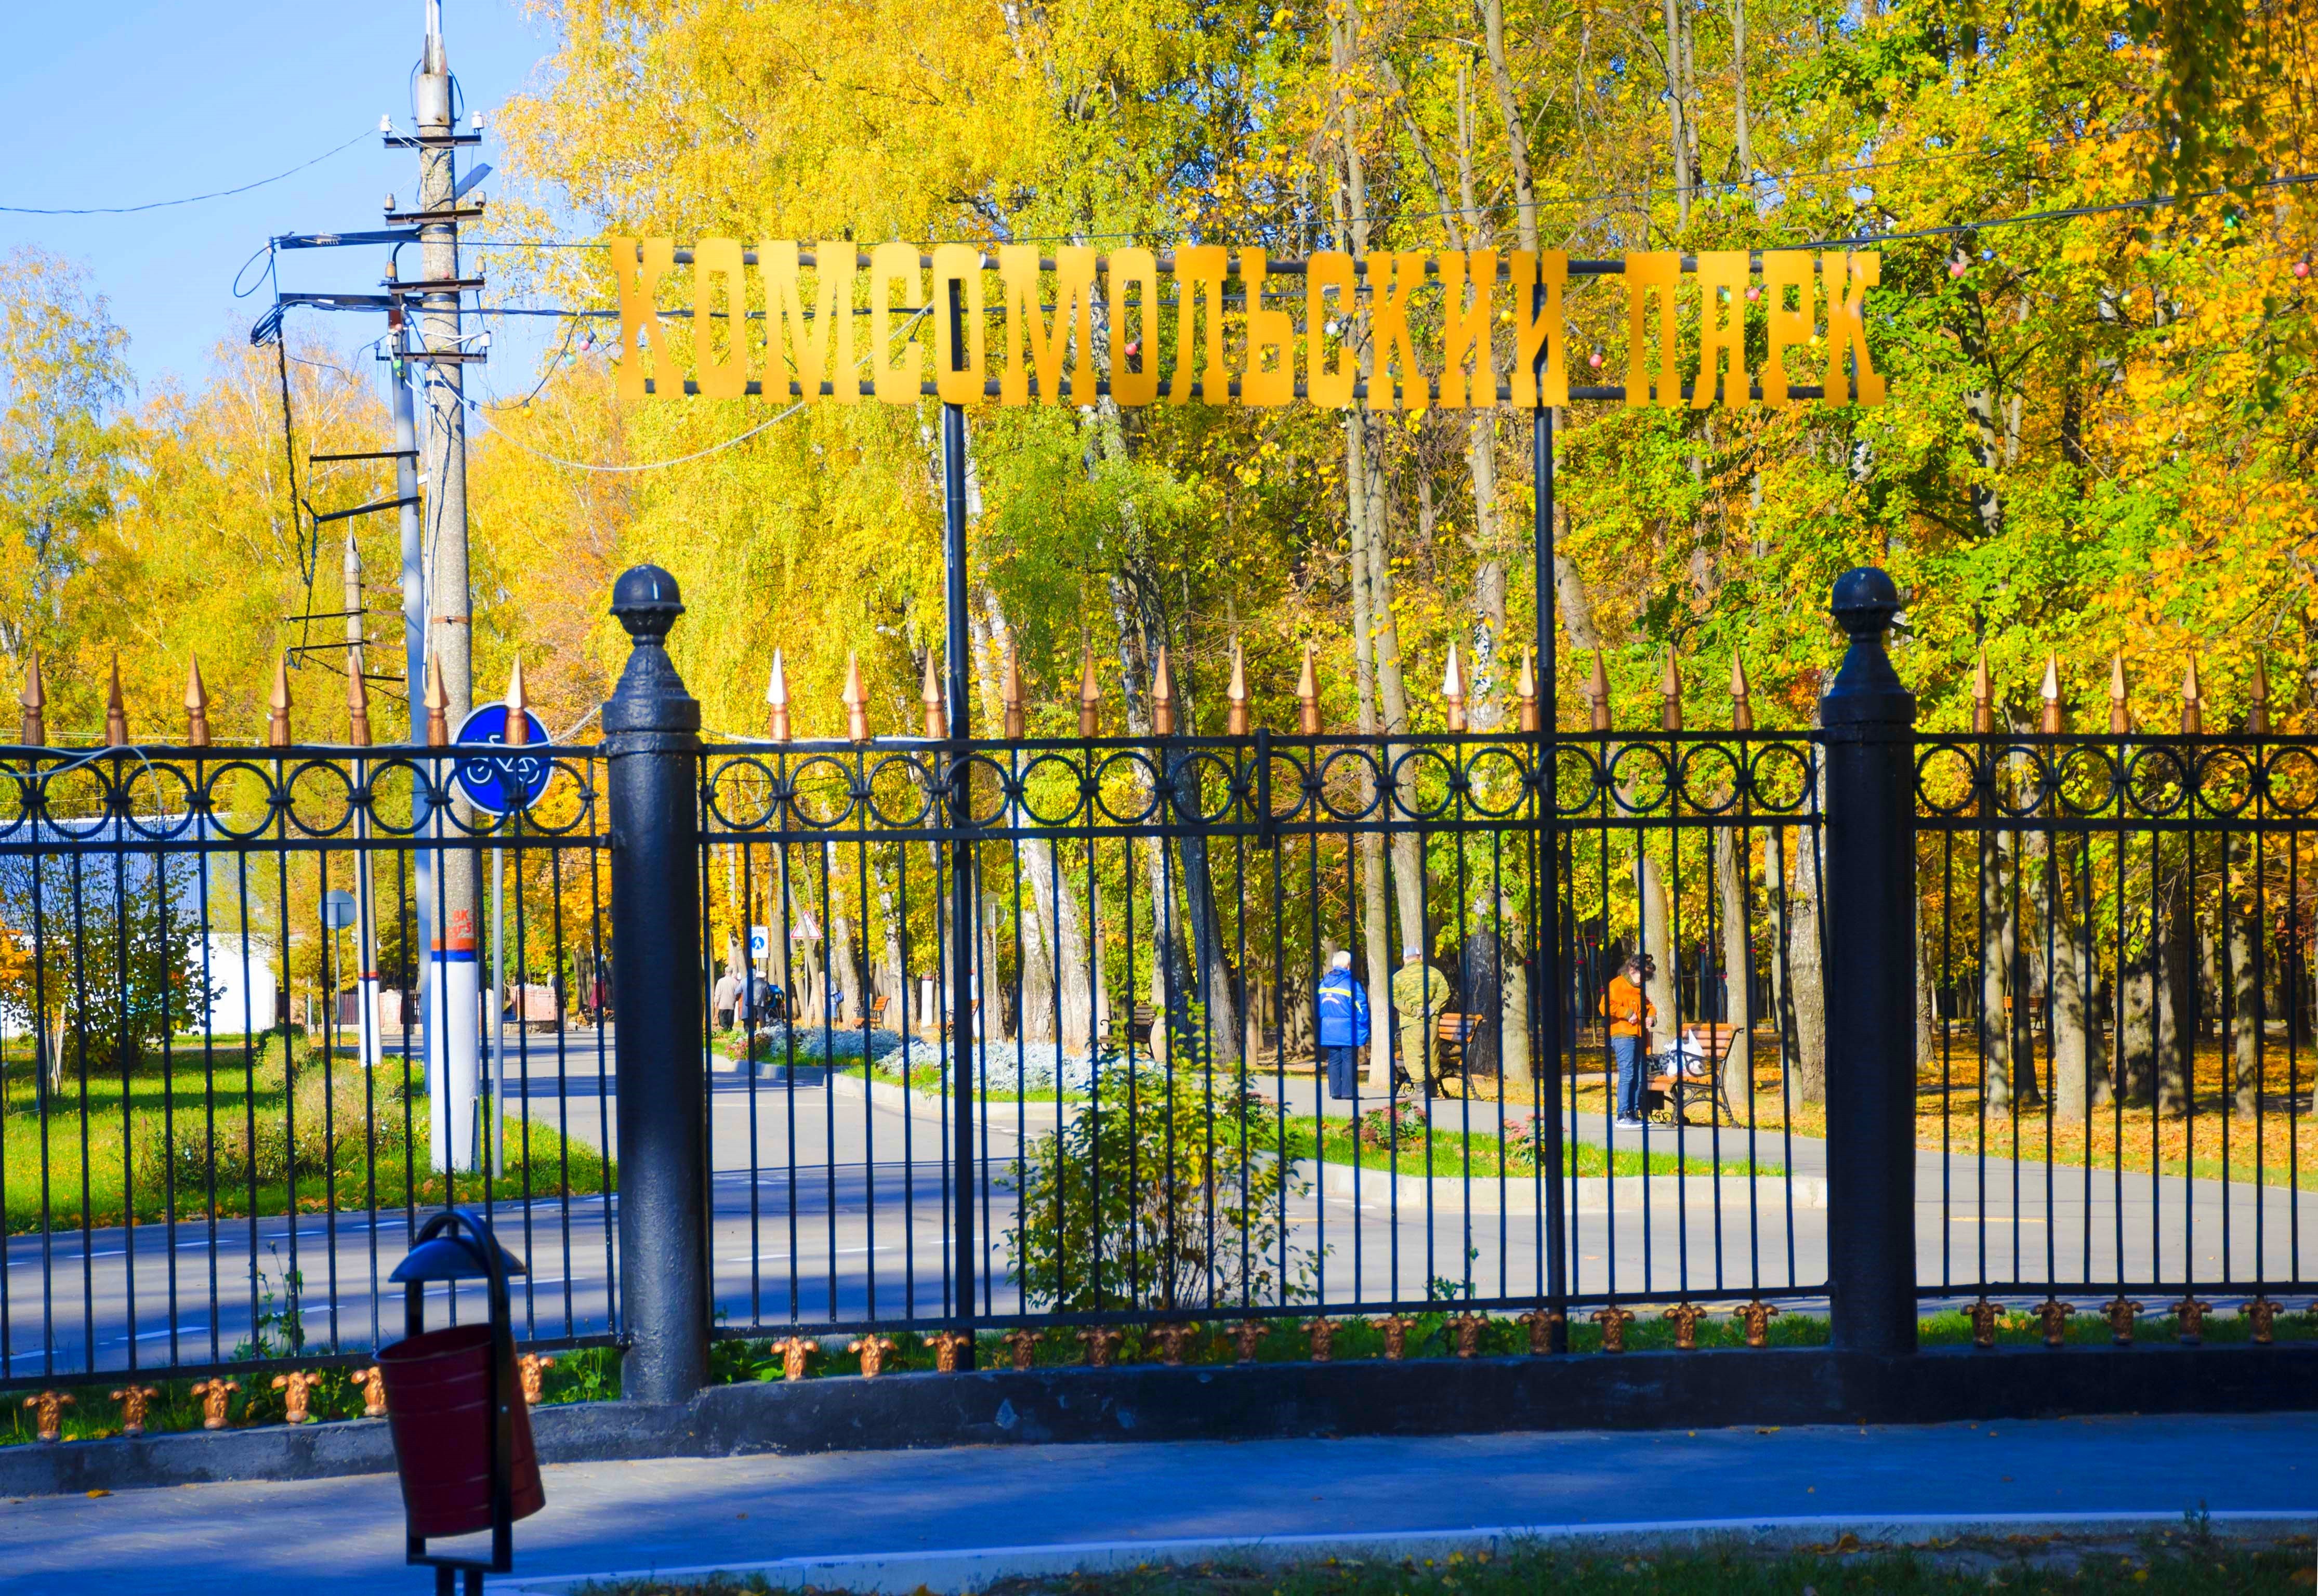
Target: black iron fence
<point x="936" y="1034"/>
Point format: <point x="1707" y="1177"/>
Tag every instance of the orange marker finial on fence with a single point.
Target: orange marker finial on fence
<point x="1527" y="691"/>
<point x="34" y="699"/>
<point x="929" y="692"/>
<point x="1090" y="698"/>
<point x="1670" y="695"/>
<point x="1009" y="693"/>
<point x="1307" y="694"/>
<point x="1236" y="696"/>
<point x="438" y="703"/>
<point x="2193" y="701"/>
<point x="1742" y="714"/>
<point x="518" y="731"/>
<point x="357" y="702"/>
<point x="856" y="699"/>
<point x="2258" y="700"/>
<point x="1597" y="691"/>
<point x="2054" y="721"/>
<point x="1162" y="696"/>
<point x="277" y="705"/>
<point x="1983" y="696"/>
<point x="2120" y="708"/>
<point x="1452" y="692"/>
<point x="116" y="712"/>
<point x="777" y="701"/>
<point x="197" y="707"/>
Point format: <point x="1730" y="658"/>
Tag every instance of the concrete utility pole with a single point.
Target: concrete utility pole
<point x="453" y="1020"/>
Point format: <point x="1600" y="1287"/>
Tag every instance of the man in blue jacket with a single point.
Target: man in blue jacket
<point x="1344" y="1024"/>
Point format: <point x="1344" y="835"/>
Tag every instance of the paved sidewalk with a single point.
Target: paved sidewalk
<point x="333" y="1536"/>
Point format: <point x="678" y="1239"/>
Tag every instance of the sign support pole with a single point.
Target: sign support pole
<point x="1552" y="974"/>
<point x="965" y="1179"/>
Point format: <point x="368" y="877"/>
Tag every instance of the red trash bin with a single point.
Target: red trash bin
<point x="438" y="1406"/>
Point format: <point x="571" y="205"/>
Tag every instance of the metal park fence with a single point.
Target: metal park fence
<point x="1152" y="1024"/>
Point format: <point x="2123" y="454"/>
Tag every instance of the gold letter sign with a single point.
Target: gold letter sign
<point x="1077" y="325"/>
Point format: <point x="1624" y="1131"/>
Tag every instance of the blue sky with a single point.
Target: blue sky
<point x="123" y="102"/>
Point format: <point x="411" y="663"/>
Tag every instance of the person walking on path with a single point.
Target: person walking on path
<point x="1419" y="994"/>
<point x="1343" y="1023"/>
<point x="1627" y="1006"/>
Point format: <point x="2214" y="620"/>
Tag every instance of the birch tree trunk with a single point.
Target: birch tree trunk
<point x="1806" y="971"/>
<point x="2245" y="1010"/>
<point x="1738" y="1070"/>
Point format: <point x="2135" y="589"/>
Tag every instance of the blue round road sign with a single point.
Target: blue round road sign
<point x="497" y="785"/>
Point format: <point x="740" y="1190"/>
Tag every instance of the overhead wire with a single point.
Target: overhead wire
<point x="222" y="193"/>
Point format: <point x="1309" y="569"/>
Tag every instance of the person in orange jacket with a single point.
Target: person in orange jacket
<point x="1627" y="1006"/>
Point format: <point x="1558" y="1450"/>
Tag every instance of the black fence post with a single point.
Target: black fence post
<point x="1869" y="720"/>
<point x="651" y="746"/>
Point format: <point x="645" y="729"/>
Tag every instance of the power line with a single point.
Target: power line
<point x="221" y="193"/>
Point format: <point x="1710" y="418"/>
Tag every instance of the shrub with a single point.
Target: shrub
<point x="1158" y="1196"/>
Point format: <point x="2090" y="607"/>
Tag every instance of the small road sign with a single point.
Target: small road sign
<point x="498" y="785"/>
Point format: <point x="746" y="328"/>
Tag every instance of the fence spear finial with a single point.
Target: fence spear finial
<point x="1010" y="692"/>
<point x="1308" y="694"/>
<point x="1162" y="696"/>
<point x="1453" y="691"/>
<point x="357" y="702"/>
<point x="1670" y="695"/>
<point x="438" y="703"/>
<point x="1983" y="696"/>
<point x="2258" y="700"/>
<point x="34" y="698"/>
<point x="197" y="705"/>
<point x="1598" y="691"/>
<point x="2120" y="706"/>
<point x="856" y="699"/>
<point x="2055" y="720"/>
<point x="1526" y="692"/>
<point x="116" y="710"/>
<point x="516" y="732"/>
<point x="2193" y="701"/>
<point x="277" y="705"/>
<point x="777" y="701"/>
<point x="1090" y="696"/>
<point x="1236" y="696"/>
<point x="1742" y="714"/>
<point x="931" y="693"/>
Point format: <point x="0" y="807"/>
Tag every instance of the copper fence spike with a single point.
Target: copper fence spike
<point x="197" y="705"/>
<point x="1090" y="696"/>
<point x="34" y="698"/>
<point x="515" y="733"/>
<point x="438" y="703"/>
<point x="1307" y="693"/>
<point x="2258" y="700"/>
<point x="929" y="692"/>
<point x="1742" y="714"/>
<point x="1670" y="695"/>
<point x="1162" y="696"/>
<point x="277" y="705"/>
<point x="856" y="699"/>
<point x="1597" y="692"/>
<point x="357" y="702"/>
<point x="1236" y="696"/>
<point x="1009" y="693"/>
<point x="777" y="701"/>
<point x="1453" y="691"/>
<point x="116" y="712"/>
<point x="1526" y="692"/>
<point x="2054" y="721"/>
<point x="2120" y="707"/>
<point x="1983" y="696"/>
<point x="2193" y="701"/>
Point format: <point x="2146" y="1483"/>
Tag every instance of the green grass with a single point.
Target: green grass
<point x="2185" y="1562"/>
<point x="1450" y="1153"/>
<point x="159" y="1108"/>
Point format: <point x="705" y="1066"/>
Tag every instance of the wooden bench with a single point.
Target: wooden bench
<point x="878" y="1011"/>
<point x="1139" y="1020"/>
<point x="1676" y="1090"/>
<point x="1450" y="1032"/>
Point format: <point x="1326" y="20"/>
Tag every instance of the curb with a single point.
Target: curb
<point x="954" y="1573"/>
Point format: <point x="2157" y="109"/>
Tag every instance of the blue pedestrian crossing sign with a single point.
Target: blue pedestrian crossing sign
<point x="501" y="785"/>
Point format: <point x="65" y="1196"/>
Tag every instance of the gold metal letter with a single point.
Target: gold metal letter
<point x="797" y="348"/>
<point x="1389" y="341"/>
<point x="1721" y="325"/>
<point x="1133" y="268"/>
<point x="639" y="263"/>
<point x="1539" y="327"/>
<point x="896" y="380"/>
<point x="1784" y="269"/>
<point x="715" y="259"/>
<point x="1464" y="330"/>
<point x="1646" y="269"/>
<point x="1199" y="268"/>
<point x="1268" y="333"/>
<point x="1846" y="325"/>
<point x="1018" y="270"/>
<point x="956" y="263"/>
<point x="1330" y="389"/>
